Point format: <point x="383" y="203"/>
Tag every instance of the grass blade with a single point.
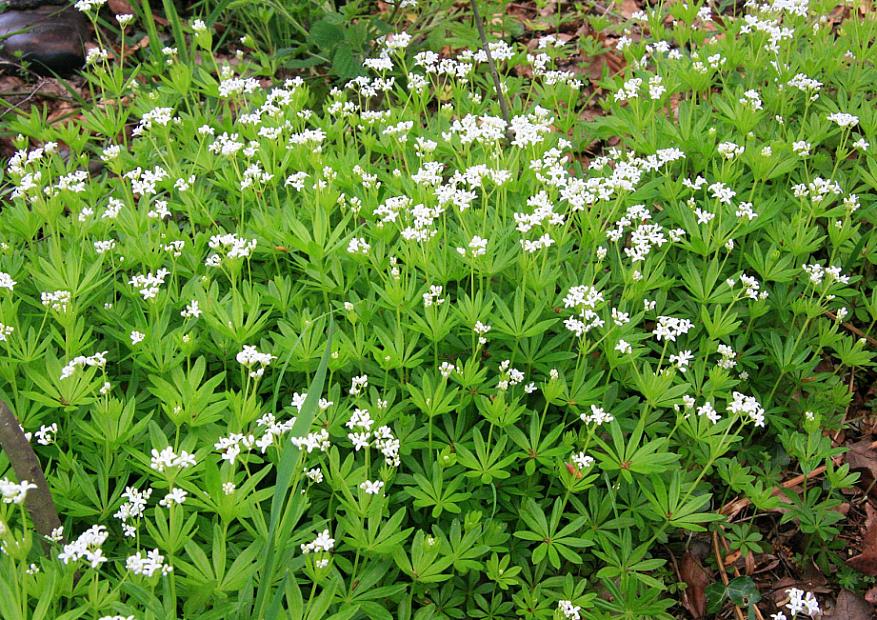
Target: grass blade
<point x="288" y="460"/>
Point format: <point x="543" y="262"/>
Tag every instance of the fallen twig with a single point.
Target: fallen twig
<point x="27" y="467"/>
<point x="721" y="564"/>
<point x="733" y="508"/>
<point x="853" y="329"/>
<point x="503" y="104"/>
<point x="727" y="548"/>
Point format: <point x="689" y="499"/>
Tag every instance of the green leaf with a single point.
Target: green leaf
<point x="344" y="63"/>
<point x="288" y="461"/>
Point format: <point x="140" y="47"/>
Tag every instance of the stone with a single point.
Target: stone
<point x="50" y="38"/>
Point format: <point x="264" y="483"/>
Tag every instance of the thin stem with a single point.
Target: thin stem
<point x="503" y="104"/>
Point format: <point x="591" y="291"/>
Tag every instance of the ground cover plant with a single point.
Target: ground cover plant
<point x="388" y="354"/>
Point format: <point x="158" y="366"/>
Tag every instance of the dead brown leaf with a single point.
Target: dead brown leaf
<point x="696" y="579"/>
<point x="63" y="111"/>
<point x="548" y="8"/>
<point x="866" y="561"/>
<point x="629" y="7"/>
<point x="862" y="457"/>
<point x="818" y="584"/>
<point x="120" y="7"/>
<point x="11" y="84"/>
<point x="850" y="606"/>
<point x="142" y="43"/>
<point x="871" y="596"/>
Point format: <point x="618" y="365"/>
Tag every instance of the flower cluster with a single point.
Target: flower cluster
<point x="147" y="564"/>
<point x="14" y="492"/>
<point x="98" y="360"/>
<point x="168" y="459"/>
<point x="255" y="362"/>
<point x="88" y="547"/>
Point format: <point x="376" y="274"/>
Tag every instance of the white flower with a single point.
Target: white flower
<point x="228" y="488"/>
<point x="133" y="508"/>
<point x="623" y="347"/>
<point x="481" y="329"/>
<point x="729" y="150"/>
<point x="745" y="210"/>
<point x="313" y="441"/>
<point x="433" y="296"/>
<point x="191" y="311"/>
<point x="818" y="274"/>
<point x="137" y="337"/>
<point x="358" y="384"/>
<point x="167" y="458"/>
<point x="87" y="546"/>
<point x="323" y="543"/>
<point x="842" y="119"/>
<point x="629" y="90"/>
<point x="358" y="245"/>
<point x="478" y="246"/>
<point x="96" y="55"/>
<point x="298" y="400"/>
<point x="148" y="284"/>
<point x="597" y="416"/>
<point x="6" y="281"/>
<point x="359" y="440"/>
<point x="722" y="192"/>
<point x="568" y="610"/>
<point x="56" y="300"/>
<point x="86" y="6"/>
<point x="801" y="601"/>
<point x="707" y="410"/>
<point x="397" y="41"/>
<point x="656" y="87"/>
<point x="752" y="100"/>
<point x="102" y="247"/>
<point x="124" y="19"/>
<point x="728" y="360"/>
<point x="46" y="435"/>
<point x="703" y="217"/>
<point x="147" y="565"/>
<point x="582" y="460"/>
<point x="14" y="492"/>
<point x="801" y="148"/>
<point x="249" y="357"/>
<point x="98" y="360"/>
<point x="747" y="405"/>
<point x="582" y="297"/>
<point x="388" y="444"/>
<point x="372" y="488"/>
<point x="360" y="418"/>
<point x="682" y="360"/>
<point x="5" y="332"/>
<point x="176" y="496"/>
<point x="668" y="328"/>
<point x="231" y="246"/>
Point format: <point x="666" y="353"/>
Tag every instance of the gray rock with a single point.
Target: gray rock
<point x="49" y="37"/>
